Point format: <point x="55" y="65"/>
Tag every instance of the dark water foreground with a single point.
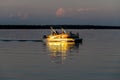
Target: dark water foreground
<point x="22" y="58"/>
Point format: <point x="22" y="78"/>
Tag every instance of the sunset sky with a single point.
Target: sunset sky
<point x="82" y="12"/>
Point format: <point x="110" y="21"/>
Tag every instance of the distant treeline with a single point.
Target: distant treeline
<point x="57" y="27"/>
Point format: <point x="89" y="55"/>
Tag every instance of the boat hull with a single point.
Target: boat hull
<point x="63" y="40"/>
<point x="79" y="40"/>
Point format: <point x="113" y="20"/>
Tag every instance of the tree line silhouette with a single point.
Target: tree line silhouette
<point x="57" y="27"/>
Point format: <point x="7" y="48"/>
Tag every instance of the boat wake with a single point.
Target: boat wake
<point x="9" y="40"/>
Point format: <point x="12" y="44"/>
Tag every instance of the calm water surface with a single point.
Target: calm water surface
<point x="97" y="58"/>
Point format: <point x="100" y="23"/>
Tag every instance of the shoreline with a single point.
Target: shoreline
<point x="57" y="27"/>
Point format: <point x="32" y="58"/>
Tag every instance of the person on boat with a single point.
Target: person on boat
<point x="70" y="33"/>
<point x="57" y="32"/>
<point x="53" y="33"/>
<point x="63" y="31"/>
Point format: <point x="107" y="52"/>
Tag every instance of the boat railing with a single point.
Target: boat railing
<point x="70" y="34"/>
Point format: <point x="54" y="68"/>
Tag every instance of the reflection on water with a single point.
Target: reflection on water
<point x="61" y="50"/>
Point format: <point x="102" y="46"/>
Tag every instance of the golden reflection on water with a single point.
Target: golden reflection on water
<point x="59" y="50"/>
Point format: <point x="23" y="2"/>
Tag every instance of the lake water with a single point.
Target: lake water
<point x="24" y="58"/>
